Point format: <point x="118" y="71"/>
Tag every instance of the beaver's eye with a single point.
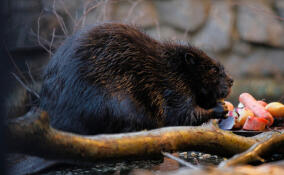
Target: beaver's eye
<point x="214" y="70"/>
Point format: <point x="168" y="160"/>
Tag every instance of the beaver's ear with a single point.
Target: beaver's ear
<point x="189" y="59"/>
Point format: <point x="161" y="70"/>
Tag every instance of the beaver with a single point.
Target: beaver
<point x="114" y="78"/>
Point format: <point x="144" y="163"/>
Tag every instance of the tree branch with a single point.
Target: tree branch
<point x="32" y="134"/>
<point x="257" y="151"/>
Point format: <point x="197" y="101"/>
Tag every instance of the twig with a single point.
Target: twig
<point x="182" y="162"/>
<point x="30" y="74"/>
<point x="67" y="11"/>
<point x="105" y="9"/>
<point x="15" y="65"/>
<point x="38" y="37"/>
<point x="60" y="20"/>
<point x="52" y="39"/>
<point x="43" y="40"/>
<point x="131" y="10"/>
<point x="25" y="86"/>
<point x="81" y="21"/>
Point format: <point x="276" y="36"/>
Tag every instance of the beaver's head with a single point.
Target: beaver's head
<point x="210" y="82"/>
<point x="214" y="84"/>
<point x="206" y="77"/>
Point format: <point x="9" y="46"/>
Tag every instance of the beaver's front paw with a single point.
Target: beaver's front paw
<point x="220" y="110"/>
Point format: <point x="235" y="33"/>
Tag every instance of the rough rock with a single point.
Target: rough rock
<point x="241" y="48"/>
<point x="164" y="33"/>
<point x="233" y="64"/>
<point x="100" y="11"/>
<point x="140" y="12"/>
<point x="30" y="5"/>
<point x="279" y="5"/>
<point x="187" y="15"/>
<point x="264" y="63"/>
<point x="268" y="89"/>
<point x="19" y="22"/>
<point x="77" y="13"/>
<point x="22" y="25"/>
<point x="257" y="22"/>
<point x="217" y="32"/>
<point x="49" y="23"/>
<point x="61" y="6"/>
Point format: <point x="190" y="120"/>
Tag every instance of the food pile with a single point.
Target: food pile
<point x="252" y="114"/>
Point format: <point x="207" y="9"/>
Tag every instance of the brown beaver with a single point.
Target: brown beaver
<point x="114" y="78"/>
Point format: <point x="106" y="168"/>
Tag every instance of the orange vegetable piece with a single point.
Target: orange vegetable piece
<point x="229" y="105"/>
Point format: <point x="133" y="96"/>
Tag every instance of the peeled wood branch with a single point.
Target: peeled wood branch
<point x="32" y="134"/>
<point x="257" y="151"/>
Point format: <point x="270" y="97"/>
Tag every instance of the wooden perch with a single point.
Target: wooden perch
<point x="32" y="134"/>
<point x="257" y="151"/>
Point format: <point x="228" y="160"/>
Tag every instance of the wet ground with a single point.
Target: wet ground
<point x="126" y="167"/>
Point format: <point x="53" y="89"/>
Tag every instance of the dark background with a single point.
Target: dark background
<point x="4" y="69"/>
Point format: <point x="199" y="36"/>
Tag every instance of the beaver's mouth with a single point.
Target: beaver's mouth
<point x="225" y="93"/>
<point x="207" y="103"/>
<point x="209" y="99"/>
<point x="214" y="100"/>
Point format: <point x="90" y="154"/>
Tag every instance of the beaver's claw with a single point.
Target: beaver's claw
<point x="220" y="110"/>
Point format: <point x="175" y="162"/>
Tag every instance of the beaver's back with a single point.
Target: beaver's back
<point x="90" y="77"/>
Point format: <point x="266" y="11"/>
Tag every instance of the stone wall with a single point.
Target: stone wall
<point x="246" y="35"/>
